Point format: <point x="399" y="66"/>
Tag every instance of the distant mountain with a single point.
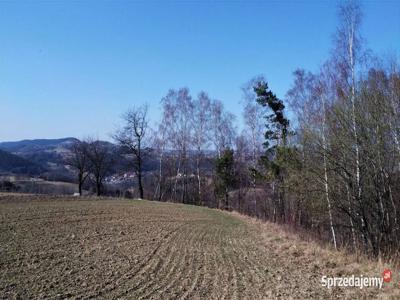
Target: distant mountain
<point x="48" y="154"/>
<point x="45" y="152"/>
<point x="29" y="146"/>
<point x="11" y="163"/>
<point x="47" y="158"/>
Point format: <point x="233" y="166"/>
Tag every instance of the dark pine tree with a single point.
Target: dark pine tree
<point x="225" y="173"/>
<point x="275" y="144"/>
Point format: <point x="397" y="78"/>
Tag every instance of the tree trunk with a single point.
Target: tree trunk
<point x="353" y="232"/>
<point x="199" y="177"/>
<point x="274" y="197"/>
<point x="329" y="204"/>
<point x="226" y="199"/>
<point x="353" y="114"/>
<point x="159" y="185"/>
<point x="80" y="183"/>
<point x="324" y="146"/>
<point x="139" y="168"/>
<point x="176" y="179"/>
<point x="140" y="185"/>
<point x="98" y="187"/>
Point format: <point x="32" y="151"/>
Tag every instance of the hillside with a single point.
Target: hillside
<point x="10" y="163"/>
<point x="113" y="249"/>
<point x="50" y="155"/>
<point x="29" y="146"/>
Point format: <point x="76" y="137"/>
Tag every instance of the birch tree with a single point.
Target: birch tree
<point x="223" y="130"/>
<point x="201" y="123"/>
<point x="160" y="143"/>
<point x="348" y="54"/>
<point x="178" y="110"/>
<point x="253" y="120"/>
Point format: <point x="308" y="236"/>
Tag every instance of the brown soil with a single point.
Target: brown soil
<point x="115" y="249"/>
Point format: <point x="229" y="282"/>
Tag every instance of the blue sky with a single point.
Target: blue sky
<point x="71" y="68"/>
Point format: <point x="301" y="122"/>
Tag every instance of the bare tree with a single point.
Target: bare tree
<point x="348" y="55"/>
<point x="100" y="162"/>
<point x="184" y="106"/>
<point x="348" y="48"/>
<point x="159" y="143"/>
<point x="169" y="123"/>
<point x="201" y="126"/>
<point x="241" y="168"/>
<point x="253" y="119"/>
<point x="79" y="160"/>
<point x="177" y="113"/>
<point x="322" y="88"/>
<point x="132" y="137"/>
<point x="223" y="130"/>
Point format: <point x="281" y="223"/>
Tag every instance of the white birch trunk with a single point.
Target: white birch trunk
<point x="326" y="183"/>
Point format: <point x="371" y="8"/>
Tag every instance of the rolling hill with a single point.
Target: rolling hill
<point x="11" y="163"/>
<point x="40" y="151"/>
<point x="29" y="146"/>
<point x="47" y="154"/>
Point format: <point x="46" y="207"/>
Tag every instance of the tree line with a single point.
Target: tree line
<point x="332" y="168"/>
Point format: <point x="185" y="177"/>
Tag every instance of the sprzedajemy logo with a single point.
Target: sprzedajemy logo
<point x="353" y="281"/>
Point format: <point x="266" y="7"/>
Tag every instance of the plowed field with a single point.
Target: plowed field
<point x="117" y="249"/>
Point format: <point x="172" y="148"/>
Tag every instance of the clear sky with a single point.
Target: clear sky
<point x="71" y="68"/>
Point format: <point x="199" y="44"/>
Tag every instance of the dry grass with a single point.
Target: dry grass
<point x="114" y="249"/>
<point x="311" y="257"/>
